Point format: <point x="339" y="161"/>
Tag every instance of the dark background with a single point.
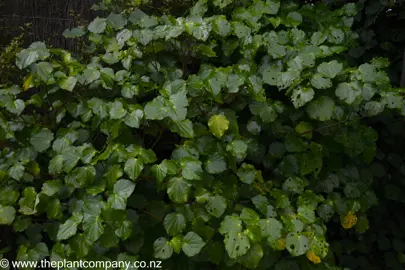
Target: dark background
<point x="47" y="18"/>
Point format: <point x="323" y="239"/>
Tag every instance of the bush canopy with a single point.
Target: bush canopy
<point x="234" y="136"/>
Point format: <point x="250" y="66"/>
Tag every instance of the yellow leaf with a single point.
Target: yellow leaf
<point x="313" y="257"/>
<point x="349" y="220"/>
<point x="218" y="124"/>
<point x="28" y="82"/>
<point x="280" y="244"/>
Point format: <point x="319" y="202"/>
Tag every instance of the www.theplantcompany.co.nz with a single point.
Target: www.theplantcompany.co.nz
<point x="80" y="264"/>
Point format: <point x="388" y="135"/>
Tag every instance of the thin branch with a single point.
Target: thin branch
<point x="36" y="17"/>
<point x="158" y="138"/>
<point x="28" y="123"/>
<point x="403" y="72"/>
<point x="331" y="125"/>
<point x="150" y="214"/>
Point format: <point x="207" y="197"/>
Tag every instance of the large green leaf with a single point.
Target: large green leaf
<point x="320" y="82"/>
<point x="348" y="92"/>
<point x="271" y="228"/>
<point x="117" y="110"/>
<point x="247" y="173"/>
<point x="178" y="190"/>
<point x="69" y="227"/>
<point x="41" y="139"/>
<point x="133" y="168"/>
<point x="216" y="206"/>
<point x="174" y="223"/>
<point x="15" y="106"/>
<point x="98" y="25"/>
<point x="249" y="216"/>
<point x="321" y="109"/>
<point x="236" y="244"/>
<point x="156" y="109"/>
<point x="301" y="96"/>
<point x="192" y="244"/>
<point x="253" y="257"/>
<point x="68" y="83"/>
<point x="159" y="171"/>
<point x="191" y="169"/>
<point x="124" y="188"/>
<point x="93" y="227"/>
<point x="7" y="215"/>
<point x="36" y="51"/>
<point x="162" y="248"/>
<point x="330" y="69"/>
<point x="116" y="21"/>
<point x="231" y="224"/>
<point x="215" y="164"/>
<point x="297" y="244"/>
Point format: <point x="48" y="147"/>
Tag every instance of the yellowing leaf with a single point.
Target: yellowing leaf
<point x="349" y="220"/>
<point x="218" y="124"/>
<point x="280" y="244"/>
<point x="28" y="82"/>
<point x="313" y="257"/>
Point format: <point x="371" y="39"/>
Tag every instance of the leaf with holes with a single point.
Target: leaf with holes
<point x="297" y="244"/>
<point x="216" y="206"/>
<point x="236" y="244"/>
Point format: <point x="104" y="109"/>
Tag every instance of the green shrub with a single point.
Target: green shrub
<point x="236" y="136"/>
<point x="8" y="70"/>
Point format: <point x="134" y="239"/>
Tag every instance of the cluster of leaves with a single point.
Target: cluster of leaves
<point x="8" y="69"/>
<point x="233" y="136"/>
<point x="382" y="245"/>
<point x="379" y="24"/>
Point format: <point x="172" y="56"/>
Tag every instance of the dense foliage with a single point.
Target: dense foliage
<point x="234" y="136"/>
<point x="8" y="70"/>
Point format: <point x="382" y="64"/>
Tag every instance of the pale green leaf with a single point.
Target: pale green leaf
<point x="302" y="96"/>
<point x="15" y="106"/>
<point x="124" y="188"/>
<point x="230" y="224"/>
<point x="330" y="69"/>
<point x="297" y="244"/>
<point x="69" y="227"/>
<point x="174" y="223"/>
<point x="320" y="82"/>
<point x="7" y="215"/>
<point x="236" y="244"/>
<point x="116" y="21"/>
<point x="191" y="169"/>
<point x="41" y="140"/>
<point x="117" y="110"/>
<point x="133" y="168"/>
<point x="93" y="228"/>
<point x="98" y="25"/>
<point x="348" y="92"/>
<point x="159" y="171"/>
<point x="133" y="118"/>
<point x="162" y="249"/>
<point x="74" y="32"/>
<point x="215" y="164"/>
<point x="178" y="190"/>
<point x="68" y="83"/>
<point x="216" y="206"/>
<point x="192" y="244"/>
<point x="321" y="109"/>
<point x="247" y="173"/>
